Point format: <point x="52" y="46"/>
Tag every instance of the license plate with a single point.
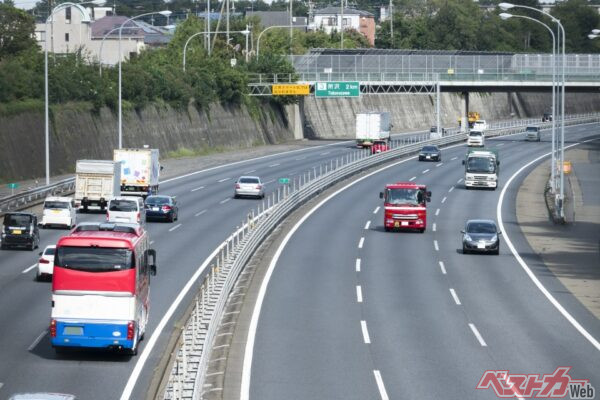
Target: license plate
<point x="396" y="224"/>
<point x="17" y="232"/>
<point x="73" y="330"/>
<point x="404" y="223"/>
<point x="481" y="245"/>
<point x="428" y="157"/>
<point x="155" y="209"/>
<point x="56" y="211"/>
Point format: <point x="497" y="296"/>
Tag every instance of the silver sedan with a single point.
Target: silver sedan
<point x="249" y="186"/>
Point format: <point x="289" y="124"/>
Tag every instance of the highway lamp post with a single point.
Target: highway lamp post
<point x="271" y="27"/>
<point x="559" y="201"/>
<point x="506" y="16"/>
<point x="245" y="32"/>
<point x="46" y="96"/>
<point x="165" y="13"/>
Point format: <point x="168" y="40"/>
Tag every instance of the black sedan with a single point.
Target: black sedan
<point x="162" y="207"/>
<point x="430" y="153"/>
<point x="481" y="236"/>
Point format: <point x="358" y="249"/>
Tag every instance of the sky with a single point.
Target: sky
<point x="25" y="4"/>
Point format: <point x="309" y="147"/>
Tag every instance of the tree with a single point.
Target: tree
<point x="16" y="30"/>
<point x="578" y="21"/>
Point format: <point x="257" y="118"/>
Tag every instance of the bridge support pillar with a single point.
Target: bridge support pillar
<point x="464" y="112"/>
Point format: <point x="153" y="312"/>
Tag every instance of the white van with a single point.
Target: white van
<point x="59" y="211"/>
<point x="476" y="138"/>
<point x="126" y="209"/>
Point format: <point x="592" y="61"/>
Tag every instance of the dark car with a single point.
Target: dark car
<point x="162" y="207"/>
<point x="20" y="229"/>
<point x="482" y="236"/>
<point x="430" y="153"/>
<point x="547" y="117"/>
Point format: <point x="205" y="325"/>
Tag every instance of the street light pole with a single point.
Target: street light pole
<point x="244" y="32"/>
<point x="165" y="13"/>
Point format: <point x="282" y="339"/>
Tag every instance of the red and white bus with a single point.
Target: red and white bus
<point x="101" y="287"/>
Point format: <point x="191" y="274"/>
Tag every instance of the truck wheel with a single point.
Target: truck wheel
<point x="422" y="230"/>
<point x="387" y="229"/>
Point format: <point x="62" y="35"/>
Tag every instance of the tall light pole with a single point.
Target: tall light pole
<point x="266" y="29"/>
<point x="244" y="32"/>
<point x="506" y="16"/>
<point x="165" y="13"/>
<point x="46" y="101"/>
<point x="342" y="26"/>
<point x="507" y="6"/>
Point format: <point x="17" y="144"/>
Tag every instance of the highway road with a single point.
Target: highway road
<point x="208" y="215"/>
<point x="354" y="312"/>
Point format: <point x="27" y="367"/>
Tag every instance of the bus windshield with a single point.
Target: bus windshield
<point x="94" y="259"/>
<point x="411" y="197"/>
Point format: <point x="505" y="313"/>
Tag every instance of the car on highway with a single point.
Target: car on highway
<point x="379" y="146"/>
<point x="249" y="186"/>
<point x="162" y="207"/>
<point x="59" y="211"/>
<point x="45" y="265"/>
<point x="20" y="229"/>
<point x="432" y="153"/>
<point x="532" y="133"/>
<point x="547" y="117"/>
<point x="126" y="209"/>
<point x="479" y="125"/>
<point x="476" y="138"/>
<point x="481" y="236"/>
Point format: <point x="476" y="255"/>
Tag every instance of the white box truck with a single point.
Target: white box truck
<point x="140" y="170"/>
<point x="96" y="181"/>
<point x="372" y="126"/>
<point x="481" y="169"/>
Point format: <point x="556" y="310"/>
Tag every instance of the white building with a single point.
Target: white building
<point x="329" y="19"/>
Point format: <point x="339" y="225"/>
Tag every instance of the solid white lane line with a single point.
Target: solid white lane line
<point x="225" y="201"/>
<point x="196" y="189"/>
<point x="437" y="212"/>
<point x="380" y="386"/>
<point x="434" y="226"/>
<point x="199" y="213"/>
<point x="477" y="335"/>
<point x="413" y="178"/>
<point x="359" y="296"/>
<point x="274" y="165"/>
<point x="426" y="171"/>
<point x="249" y="172"/>
<point x="435" y="244"/>
<point x="440" y="164"/>
<point x="444" y="199"/>
<point x="460" y="180"/>
<point x="451" y="189"/>
<point x="37" y="340"/>
<point x="368" y="224"/>
<point x="175" y="227"/>
<point x="453" y="158"/>
<point x="455" y="297"/>
<point x="442" y="267"/>
<point x="526" y="268"/>
<point x="376" y="209"/>
<point x="361" y="242"/>
<point x="365" y="332"/>
<point x="26" y="270"/>
<point x="223" y="180"/>
<point x="358" y="265"/>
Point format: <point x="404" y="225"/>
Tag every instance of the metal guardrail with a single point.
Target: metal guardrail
<point x="32" y="196"/>
<point x="188" y="371"/>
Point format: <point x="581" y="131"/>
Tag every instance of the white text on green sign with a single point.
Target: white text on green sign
<point x="337" y="89"/>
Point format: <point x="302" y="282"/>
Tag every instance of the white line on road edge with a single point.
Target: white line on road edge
<point x="26" y="270"/>
<point x="359" y="297"/>
<point x="198" y="188"/>
<point x="460" y="180"/>
<point x="358" y="265"/>
<point x="376" y="210"/>
<point x="451" y="189"/>
<point x="253" y="326"/>
<point x="442" y="267"/>
<point x="413" y="178"/>
<point x="225" y="201"/>
<point x="437" y="212"/>
<point x="274" y="165"/>
<point x="426" y="171"/>
<point x="477" y="335"/>
<point x="435" y="244"/>
<point x="453" y="158"/>
<point x="361" y="242"/>
<point x="223" y="180"/>
<point x="175" y="227"/>
<point x="380" y="386"/>
<point x="444" y="199"/>
<point x="455" y="297"/>
<point x="440" y="164"/>
<point x="365" y="332"/>
<point x="526" y="268"/>
<point x="368" y="224"/>
<point x="37" y="340"/>
<point x="249" y="172"/>
<point x="199" y="213"/>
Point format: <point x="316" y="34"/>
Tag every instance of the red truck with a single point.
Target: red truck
<point x="405" y="206"/>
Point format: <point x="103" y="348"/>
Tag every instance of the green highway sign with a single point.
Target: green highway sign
<point x="284" y="180"/>
<point x="337" y="89"/>
<point x="12" y="185"/>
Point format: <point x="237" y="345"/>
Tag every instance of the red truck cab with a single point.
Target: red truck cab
<point x="379" y="146"/>
<point x="405" y="206"/>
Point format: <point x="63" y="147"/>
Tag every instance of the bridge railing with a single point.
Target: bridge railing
<point x="189" y="367"/>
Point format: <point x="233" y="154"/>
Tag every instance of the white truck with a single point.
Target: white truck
<point x="140" y="170"/>
<point x="96" y="181"/>
<point x="372" y="126"/>
<point x="481" y="169"/>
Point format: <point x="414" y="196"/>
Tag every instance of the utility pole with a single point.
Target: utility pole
<point x="342" y="26"/>
<point x="291" y="23"/>
<point x="391" y="17"/>
<point x="227" y="21"/>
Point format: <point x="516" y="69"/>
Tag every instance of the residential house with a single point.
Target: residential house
<point x="277" y="18"/>
<point x="329" y="19"/>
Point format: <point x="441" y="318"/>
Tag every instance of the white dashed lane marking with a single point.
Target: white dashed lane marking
<point x="442" y="267"/>
<point x="199" y="213"/>
<point x="249" y="172"/>
<point x="365" y="332"/>
<point x="196" y="189"/>
<point x="434" y="227"/>
<point x="26" y="270"/>
<point x="380" y="386"/>
<point x="501" y="144"/>
<point x="324" y="154"/>
<point x="437" y="212"/>
<point x="451" y="189"/>
<point x="361" y="242"/>
<point x="223" y="180"/>
<point x="359" y="296"/>
<point x="455" y="297"/>
<point x="435" y="244"/>
<point x="413" y="178"/>
<point x="151" y="242"/>
<point x="426" y="171"/>
<point x="444" y="200"/>
<point x="175" y="227"/>
<point x="376" y="209"/>
<point x="460" y="180"/>
<point x="271" y="181"/>
<point x="358" y="265"/>
<point x="440" y="164"/>
<point x="368" y="224"/>
<point x="225" y="201"/>
<point x="453" y="158"/>
<point x="477" y="335"/>
<point x="36" y="341"/>
<point x="274" y="165"/>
